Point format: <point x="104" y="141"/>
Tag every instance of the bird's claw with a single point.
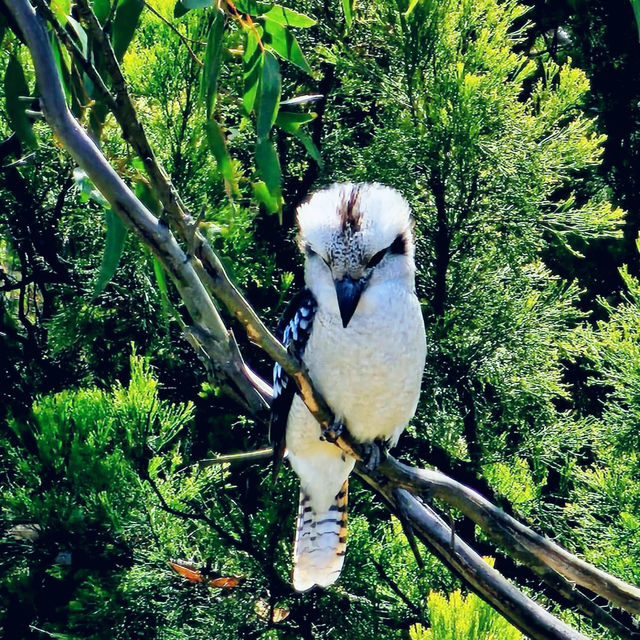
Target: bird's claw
<point x="373" y="454"/>
<point x="333" y="432"/>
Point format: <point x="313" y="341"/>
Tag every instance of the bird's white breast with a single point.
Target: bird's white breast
<point x="370" y="371"/>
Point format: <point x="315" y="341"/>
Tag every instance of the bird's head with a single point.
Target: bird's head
<point x="358" y="246"/>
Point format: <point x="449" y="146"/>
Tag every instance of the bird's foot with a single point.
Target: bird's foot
<point x="333" y="432"/>
<point x="373" y="454"/>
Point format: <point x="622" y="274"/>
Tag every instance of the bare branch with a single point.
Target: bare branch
<point x="521" y="611"/>
<point x="536" y="551"/>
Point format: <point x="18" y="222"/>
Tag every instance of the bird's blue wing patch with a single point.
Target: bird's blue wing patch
<point x="293" y="331"/>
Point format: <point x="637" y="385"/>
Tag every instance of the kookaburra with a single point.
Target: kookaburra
<point x="358" y="329"/>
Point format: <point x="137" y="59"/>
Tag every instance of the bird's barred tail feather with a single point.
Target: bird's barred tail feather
<point x="321" y="542"/>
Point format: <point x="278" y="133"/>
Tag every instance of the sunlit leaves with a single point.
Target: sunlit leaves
<point x="218" y="146"/>
<point x="288" y="17"/>
<point x="124" y="25"/>
<point x="284" y="43"/>
<point x="16" y="95"/>
<point x="209" y="78"/>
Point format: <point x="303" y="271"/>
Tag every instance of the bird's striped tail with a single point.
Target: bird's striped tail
<point x="321" y="541"/>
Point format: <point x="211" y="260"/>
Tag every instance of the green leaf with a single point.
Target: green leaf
<point x="102" y="9"/>
<point x="80" y="33"/>
<point x="179" y="10"/>
<point x="411" y="7"/>
<point x="348" y="12"/>
<point x="197" y="4"/>
<point x="147" y="197"/>
<point x="86" y="190"/>
<point x="61" y="9"/>
<point x="636" y="10"/>
<point x="15" y="88"/>
<point x="261" y="194"/>
<point x="252" y="66"/>
<point x="268" y="95"/>
<point x="268" y="166"/>
<point x="284" y="44"/>
<point x="218" y="146"/>
<point x="288" y="17"/>
<point x="291" y="122"/>
<point x="213" y="56"/>
<point x="251" y="7"/>
<point x="63" y="72"/>
<point x="309" y="145"/>
<point x="161" y="279"/>
<point x="114" y="244"/>
<point x="125" y="24"/>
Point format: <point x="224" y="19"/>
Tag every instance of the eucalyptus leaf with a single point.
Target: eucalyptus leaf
<point x="348" y="12"/>
<point x="268" y="95"/>
<point x="80" y="33"/>
<point x="636" y="11"/>
<point x="197" y="4"/>
<point x="114" y="244"/>
<point x="288" y="17"/>
<point x="102" y="8"/>
<point x="15" y="88"/>
<point x="125" y="23"/>
<point x="179" y="10"/>
<point x="218" y="146"/>
<point x="252" y="66"/>
<point x="309" y="145"/>
<point x="63" y="72"/>
<point x="61" y="9"/>
<point x="284" y="44"/>
<point x="291" y="122"/>
<point x="268" y="165"/>
<point x="213" y="56"/>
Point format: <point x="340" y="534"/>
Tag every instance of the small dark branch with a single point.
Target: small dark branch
<point x="469" y="421"/>
<point x="249" y="456"/>
<point x="396" y="589"/>
<point x="184" y="40"/>
<point x="442" y="246"/>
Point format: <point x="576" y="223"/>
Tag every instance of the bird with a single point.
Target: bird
<point x="357" y="327"/>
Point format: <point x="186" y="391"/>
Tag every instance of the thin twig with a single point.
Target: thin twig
<point x="184" y="39"/>
<point x="248" y="456"/>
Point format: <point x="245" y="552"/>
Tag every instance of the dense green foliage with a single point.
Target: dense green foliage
<point x="515" y="156"/>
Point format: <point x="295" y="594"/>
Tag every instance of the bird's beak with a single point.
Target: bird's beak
<point x="348" y="292"/>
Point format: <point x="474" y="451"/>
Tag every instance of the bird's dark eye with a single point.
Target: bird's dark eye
<point x="376" y="259"/>
<point x="399" y="245"/>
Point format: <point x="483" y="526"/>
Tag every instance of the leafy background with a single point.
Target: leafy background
<point x="511" y="127"/>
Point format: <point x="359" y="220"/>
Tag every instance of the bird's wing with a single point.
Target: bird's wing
<point x="293" y="331"/>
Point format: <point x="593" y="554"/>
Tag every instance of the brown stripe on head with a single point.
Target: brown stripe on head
<point x="350" y="214"/>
